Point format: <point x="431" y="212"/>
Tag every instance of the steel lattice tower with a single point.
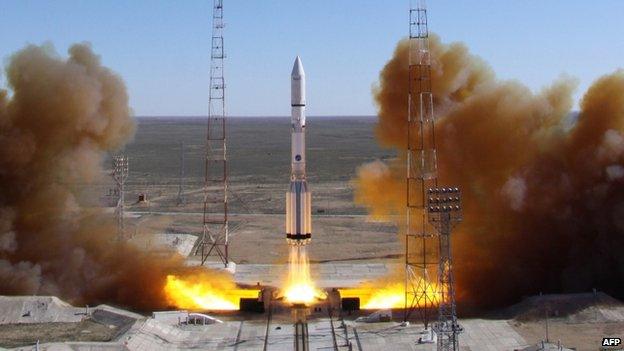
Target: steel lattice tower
<point x="215" y="236"/>
<point x="421" y="256"/>
<point x="120" y="174"/>
<point x="444" y="209"/>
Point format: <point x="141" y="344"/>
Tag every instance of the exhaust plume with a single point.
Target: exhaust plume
<point x="56" y="124"/>
<point x="543" y="187"/>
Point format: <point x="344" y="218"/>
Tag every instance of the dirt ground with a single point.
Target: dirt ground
<point x="259" y="155"/>
<point x="259" y="238"/>
<point x="582" y="336"/>
<point x="16" y="335"/>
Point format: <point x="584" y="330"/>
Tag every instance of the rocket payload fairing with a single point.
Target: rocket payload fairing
<point x="298" y="197"/>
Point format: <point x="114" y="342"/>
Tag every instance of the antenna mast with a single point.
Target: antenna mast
<point x="215" y="236"/>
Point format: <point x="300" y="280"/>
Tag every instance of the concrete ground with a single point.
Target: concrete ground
<point x="242" y="335"/>
<point x="328" y="275"/>
<point x="37" y="309"/>
<point x="60" y="326"/>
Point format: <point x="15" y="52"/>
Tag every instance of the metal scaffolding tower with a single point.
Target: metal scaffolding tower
<point x="120" y="174"/>
<point x="421" y="256"/>
<point x="444" y="208"/>
<point x="215" y="236"/>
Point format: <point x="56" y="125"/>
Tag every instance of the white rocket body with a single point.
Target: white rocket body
<point x="298" y="197"/>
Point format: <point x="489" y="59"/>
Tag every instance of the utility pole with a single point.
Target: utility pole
<point x="181" y="199"/>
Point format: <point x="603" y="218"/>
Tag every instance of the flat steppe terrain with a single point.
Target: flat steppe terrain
<point x="259" y="174"/>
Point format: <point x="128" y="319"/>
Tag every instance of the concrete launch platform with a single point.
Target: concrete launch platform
<point x="326" y="275"/>
<point x="250" y="335"/>
<point x="248" y="332"/>
<point x="244" y="331"/>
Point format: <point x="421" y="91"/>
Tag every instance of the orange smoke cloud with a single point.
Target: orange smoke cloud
<point x="56" y="124"/>
<point x="543" y="187"/>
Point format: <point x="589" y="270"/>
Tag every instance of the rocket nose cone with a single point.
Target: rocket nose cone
<point x="297" y="70"/>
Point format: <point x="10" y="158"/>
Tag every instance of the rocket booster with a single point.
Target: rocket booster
<point x="298" y="197"/>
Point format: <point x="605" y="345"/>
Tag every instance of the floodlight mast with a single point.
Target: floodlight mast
<point x="445" y="211"/>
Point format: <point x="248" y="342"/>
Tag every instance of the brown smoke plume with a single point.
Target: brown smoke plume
<point x="60" y="119"/>
<point x="543" y="187"/>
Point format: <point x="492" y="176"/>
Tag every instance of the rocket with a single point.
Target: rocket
<point x="298" y="197"/>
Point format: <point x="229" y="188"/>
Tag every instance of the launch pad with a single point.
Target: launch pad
<point x="257" y="276"/>
<point x="275" y="330"/>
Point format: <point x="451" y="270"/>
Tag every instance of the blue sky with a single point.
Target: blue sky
<point x="161" y="47"/>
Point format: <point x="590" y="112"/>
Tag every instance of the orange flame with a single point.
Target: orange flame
<point x="300" y="289"/>
<point x="205" y="293"/>
<point x="391" y="296"/>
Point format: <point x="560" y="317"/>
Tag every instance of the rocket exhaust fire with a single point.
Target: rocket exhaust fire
<point x="61" y="119"/>
<point x="201" y="292"/>
<point x="388" y="295"/>
<point x="544" y="186"/>
<point x="300" y="289"/>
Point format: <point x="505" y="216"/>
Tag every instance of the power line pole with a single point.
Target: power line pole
<point x="120" y="174"/>
<point x="181" y="199"/>
<point x="215" y="236"/>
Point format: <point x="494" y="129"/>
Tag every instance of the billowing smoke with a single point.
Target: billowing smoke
<point x="56" y="124"/>
<point x="543" y="187"/>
